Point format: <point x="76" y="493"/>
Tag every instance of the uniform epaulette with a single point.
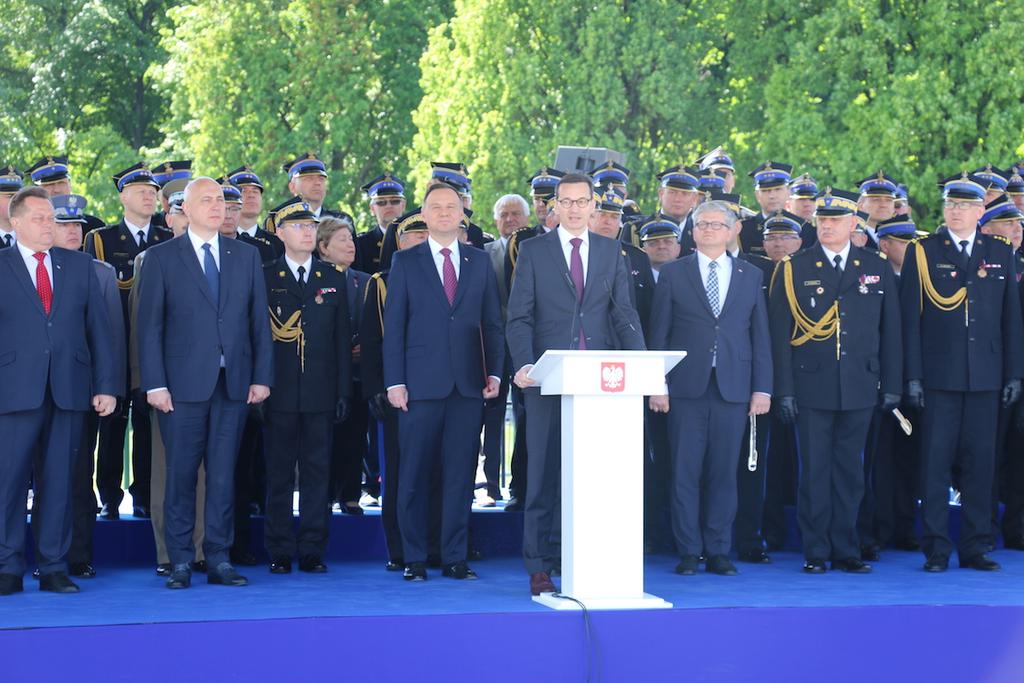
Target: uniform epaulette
<point x="338" y="268"/>
<point x="1002" y="239"/>
<point x="105" y="264"/>
<point x="883" y="256"/>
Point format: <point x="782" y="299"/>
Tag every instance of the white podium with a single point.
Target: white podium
<point x="602" y="455"/>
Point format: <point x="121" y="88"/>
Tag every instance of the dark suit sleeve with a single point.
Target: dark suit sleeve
<point x="491" y="327"/>
<point x="624" y="318"/>
<point x="395" y="318"/>
<point x="661" y="312"/>
<point x="891" y="336"/>
<point x="1013" y="328"/>
<point x="101" y="344"/>
<point x="521" y="302"/>
<point x="112" y="299"/>
<point x="259" y="324"/>
<point x="910" y="313"/>
<point x="371" y="340"/>
<point x="343" y="337"/>
<point x="781" y="325"/>
<point x="150" y="329"/>
<point x="760" y="340"/>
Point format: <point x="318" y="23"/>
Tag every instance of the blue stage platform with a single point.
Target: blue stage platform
<point x="770" y="623"/>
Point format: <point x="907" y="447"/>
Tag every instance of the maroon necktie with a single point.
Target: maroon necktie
<point x="576" y="273"/>
<point x="450" y="281"/>
<point x="43" y="282"/>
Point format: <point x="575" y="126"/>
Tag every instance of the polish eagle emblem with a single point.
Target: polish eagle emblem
<point x="613" y="377"/>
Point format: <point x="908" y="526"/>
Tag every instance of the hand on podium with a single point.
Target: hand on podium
<point x="659" y="404"/>
<point x="521" y="379"/>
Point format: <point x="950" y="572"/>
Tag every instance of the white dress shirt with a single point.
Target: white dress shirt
<point x="250" y="231"/>
<point x="134" y="230"/>
<point x="197" y="247"/>
<point x="831" y="256"/>
<point x="655" y="272"/>
<point x="970" y="241"/>
<point x="564" y="236"/>
<point x="30" y="262"/>
<point x="724" y="262"/>
<point x="294" y="267"/>
<point x="435" y="252"/>
<point x="3" y="236"/>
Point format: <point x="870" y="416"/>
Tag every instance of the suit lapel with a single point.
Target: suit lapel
<point x="739" y="273"/>
<point x="426" y="259"/>
<point x="554" y="244"/>
<point x="191" y="260"/>
<point x="693" y="271"/>
<point x="468" y="264"/>
<point x="227" y="266"/>
<point x="17" y="264"/>
<point x="56" y="280"/>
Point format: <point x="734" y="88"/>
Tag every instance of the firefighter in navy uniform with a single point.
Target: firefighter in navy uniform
<point x="312" y="335"/>
<point x="307" y="179"/>
<point x="251" y="189"/>
<point x="771" y="189"/>
<point x="878" y="202"/>
<point x="607" y="222"/>
<point x="118" y="245"/>
<point x="386" y="195"/>
<point x="962" y="350"/>
<point x="11" y="181"/>
<point x="835" y="317"/>
<point x="52" y="174"/>
<point x="165" y="173"/>
<point x="677" y="197"/>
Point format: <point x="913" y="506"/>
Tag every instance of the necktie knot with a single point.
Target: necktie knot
<point x="448" y="278"/>
<point x="39" y="256"/>
<point x="838" y="260"/>
<point x="446" y="252"/>
<point x="302" y="275"/>
<point x="963" y="245"/>
<point x="576" y="242"/>
<point x="7" y="240"/>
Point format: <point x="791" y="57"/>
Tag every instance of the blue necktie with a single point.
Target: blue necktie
<point x="212" y="274"/>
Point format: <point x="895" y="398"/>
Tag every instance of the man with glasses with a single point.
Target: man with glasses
<point x="835" y="319"/>
<point x="962" y="340"/>
<point x="386" y="194"/>
<point x="571" y="291"/>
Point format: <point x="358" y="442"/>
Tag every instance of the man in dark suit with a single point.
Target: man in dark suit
<point x="386" y="194"/>
<point x="571" y="291"/>
<point x="836" y="345"/>
<point x="962" y="350"/>
<point x="56" y="364"/>
<point x="711" y="306"/>
<point x="204" y="353"/>
<point x="118" y="245"/>
<point x="443" y="356"/>
<point x="312" y="335"/>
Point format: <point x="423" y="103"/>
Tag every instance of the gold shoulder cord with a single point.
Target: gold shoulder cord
<point x="288" y="332"/>
<point x="513" y="248"/>
<point x="97" y="243"/>
<point x="804" y="328"/>
<point x="382" y="295"/>
<point x="943" y="303"/>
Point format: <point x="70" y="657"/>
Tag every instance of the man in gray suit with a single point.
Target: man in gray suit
<point x="571" y="291"/>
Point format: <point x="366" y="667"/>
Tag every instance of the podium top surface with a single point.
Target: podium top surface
<point x="554" y="361"/>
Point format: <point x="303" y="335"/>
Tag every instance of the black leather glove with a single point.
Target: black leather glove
<point x="1011" y="393"/>
<point x="787" y="409"/>
<point x="379" y="406"/>
<point x="256" y="412"/>
<point x="914" y="395"/>
<point x="889" y="401"/>
<point x="340" y="411"/>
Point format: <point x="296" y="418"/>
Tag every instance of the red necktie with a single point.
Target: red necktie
<point x="451" y="283"/>
<point x="43" y="282"/>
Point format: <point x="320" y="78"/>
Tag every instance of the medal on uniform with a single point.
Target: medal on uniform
<point x="319" y="298"/>
<point x="123" y="238"/>
<point x="819" y="290"/>
<point x="281" y="274"/>
<point x="863" y="289"/>
<point x="817" y="264"/>
<point x="982" y="272"/>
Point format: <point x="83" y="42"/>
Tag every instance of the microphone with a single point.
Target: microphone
<point x="616" y="305"/>
<point x="575" y="308"/>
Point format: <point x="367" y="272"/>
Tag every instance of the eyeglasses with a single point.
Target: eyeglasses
<point x="300" y="226"/>
<point x="387" y="202"/>
<point x="780" y="238"/>
<point x="711" y="225"/>
<point x="962" y="206"/>
<point x="578" y="203"/>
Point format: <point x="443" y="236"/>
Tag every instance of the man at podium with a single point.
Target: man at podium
<point x="571" y="291"/>
<point x="710" y="305"/>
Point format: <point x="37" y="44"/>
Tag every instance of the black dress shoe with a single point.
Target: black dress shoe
<point x="395" y="565"/>
<point x="164" y="569"/>
<point x="852" y="565"/>
<point x="351" y="509"/>
<point x="474" y="555"/>
<point x="721" y="565"/>
<point x="10" y="584"/>
<point x="513" y="505"/>
<point x="415" y="571"/>
<point x="198" y="566"/>
<point x="243" y="558"/>
<point x="687" y="565"/>
<point x="814" y="566"/>
<point x="82" y="569"/>
<point x="870" y="553"/>
<point x="36" y="573"/>
<point x="109" y="512"/>
<point x="140" y="511"/>
<point x="281" y="565"/>
<point x="1014" y="543"/>
<point x="181" y="577"/>
<point x="225" y="575"/>
<point x="458" y="570"/>
<point x="312" y="564"/>
<point x="981" y="563"/>
<point x="936" y="564"/>
<point x="756" y="556"/>
<point x="908" y="543"/>
<point x="57" y="582"/>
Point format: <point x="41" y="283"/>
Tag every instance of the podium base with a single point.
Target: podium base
<point x="646" y="601"/>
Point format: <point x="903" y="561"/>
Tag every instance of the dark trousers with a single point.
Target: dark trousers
<point x="441" y="433"/>
<point x="110" y="458"/>
<point x="41" y="444"/>
<point x="1010" y="484"/>
<point x="968" y="419"/>
<point x="542" y="510"/>
<point x="657" y="482"/>
<point x="494" y="436"/>
<point x="205" y="432"/>
<point x="890" y="475"/>
<point x="371" y="462"/>
<point x="831" y="444"/>
<point x="348" y="451"/>
<point x="750" y="489"/>
<point x="303" y="439"/>
<point x="519" y="467"/>
<point x="780" y="481"/>
<point x="389" y="472"/>
<point x="705" y="435"/>
<point x="250" y="477"/>
<point x="83" y="499"/>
